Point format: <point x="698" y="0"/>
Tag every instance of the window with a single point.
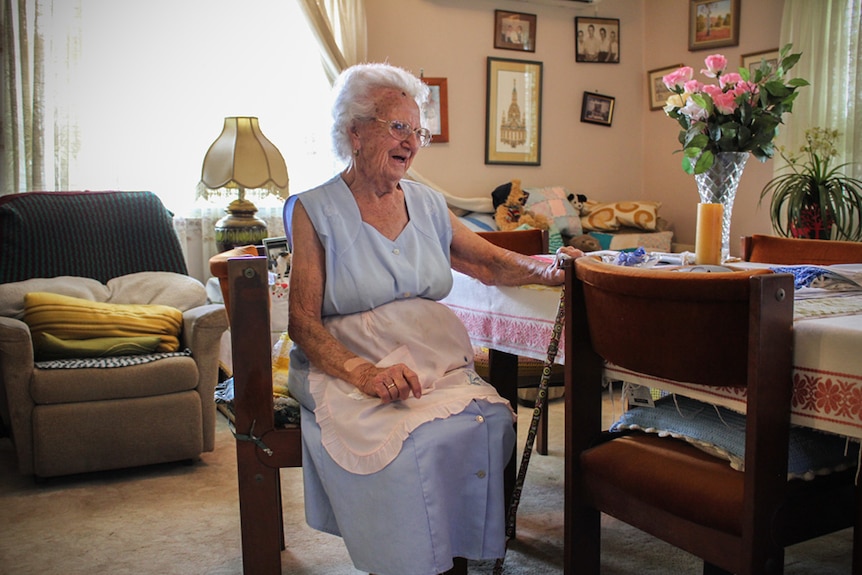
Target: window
<point x="157" y="79"/>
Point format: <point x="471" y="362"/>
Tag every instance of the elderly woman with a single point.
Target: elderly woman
<point x="404" y="445"/>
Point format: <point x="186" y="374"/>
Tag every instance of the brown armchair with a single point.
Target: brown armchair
<point x="667" y="325"/>
<point x="114" y="248"/>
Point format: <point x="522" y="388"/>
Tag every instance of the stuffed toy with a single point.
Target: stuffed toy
<point x="585" y="243"/>
<point x="579" y="201"/>
<point x="510" y="210"/>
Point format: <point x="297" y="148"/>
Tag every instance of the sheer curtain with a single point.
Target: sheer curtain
<point x="100" y="94"/>
<point x="827" y="33"/>
<point x="38" y="123"/>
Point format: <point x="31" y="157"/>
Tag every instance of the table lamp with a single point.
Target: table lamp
<point x="242" y="162"/>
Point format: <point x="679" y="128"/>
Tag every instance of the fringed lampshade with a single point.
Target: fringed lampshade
<point x="242" y="162"/>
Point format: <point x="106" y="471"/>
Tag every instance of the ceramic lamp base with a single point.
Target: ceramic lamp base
<point x="240" y="227"/>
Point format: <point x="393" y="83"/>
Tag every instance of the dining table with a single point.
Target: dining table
<point x="827" y="361"/>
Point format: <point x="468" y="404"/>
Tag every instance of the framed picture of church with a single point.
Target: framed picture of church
<point x="513" y="112"/>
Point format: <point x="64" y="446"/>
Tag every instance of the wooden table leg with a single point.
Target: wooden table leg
<point x="857" y="533"/>
<point x="503" y="375"/>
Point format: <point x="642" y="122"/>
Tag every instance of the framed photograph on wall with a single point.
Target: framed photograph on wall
<point x="514" y="31"/>
<point x="435" y="113"/>
<point x="513" y="113"/>
<point x="752" y="61"/>
<point x="713" y="24"/>
<point x="658" y="92"/>
<point x="597" y="40"/>
<point x="597" y="109"/>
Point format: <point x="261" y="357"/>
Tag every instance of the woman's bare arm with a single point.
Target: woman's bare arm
<point x="306" y="329"/>
<point x="492" y="265"/>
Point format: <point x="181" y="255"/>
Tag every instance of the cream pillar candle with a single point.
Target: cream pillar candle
<point x="707" y="247"/>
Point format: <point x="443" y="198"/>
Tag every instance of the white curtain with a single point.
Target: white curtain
<point x="39" y="60"/>
<point x="100" y="94"/>
<point x="827" y="34"/>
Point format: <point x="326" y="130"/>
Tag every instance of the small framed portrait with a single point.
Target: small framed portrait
<point x="514" y="31"/>
<point x="753" y="61"/>
<point x="713" y="24"/>
<point x="435" y="112"/>
<point x="597" y="109"/>
<point x="513" y="113"/>
<point x="597" y="40"/>
<point x="277" y="255"/>
<point x="658" y="92"/>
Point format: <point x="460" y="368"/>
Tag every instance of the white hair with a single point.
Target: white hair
<point x="354" y="98"/>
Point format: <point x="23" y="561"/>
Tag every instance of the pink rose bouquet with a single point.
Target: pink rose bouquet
<point x="737" y="113"/>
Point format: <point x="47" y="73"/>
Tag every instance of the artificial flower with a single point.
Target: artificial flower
<point x="738" y="113"/>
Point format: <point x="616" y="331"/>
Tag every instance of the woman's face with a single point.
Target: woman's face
<point x="380" y="152"/>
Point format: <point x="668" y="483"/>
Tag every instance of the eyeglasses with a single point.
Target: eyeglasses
<point x="402" y="131"/>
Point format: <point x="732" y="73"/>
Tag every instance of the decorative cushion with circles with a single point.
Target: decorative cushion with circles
<point x="612" y="216"/>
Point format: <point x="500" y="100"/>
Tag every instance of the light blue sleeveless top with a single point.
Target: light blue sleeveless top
<point x="364" y="269"/>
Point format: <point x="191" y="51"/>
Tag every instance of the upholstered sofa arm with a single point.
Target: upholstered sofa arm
<point x="203" y="327"/>
<point x="16" y="369"/>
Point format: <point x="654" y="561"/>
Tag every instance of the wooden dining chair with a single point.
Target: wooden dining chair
<point x="261" y="448"/>
<point x="507" y="372"/>
<point x="797" y="251"/>
<point x="712" y="329"/>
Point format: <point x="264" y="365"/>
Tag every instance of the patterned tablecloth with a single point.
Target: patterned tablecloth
<point x="827" y="364"/>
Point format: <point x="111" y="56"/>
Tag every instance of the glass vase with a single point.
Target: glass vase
<point x="718" y="185"/>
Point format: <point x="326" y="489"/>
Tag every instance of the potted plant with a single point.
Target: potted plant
<point x="813" y="197"/>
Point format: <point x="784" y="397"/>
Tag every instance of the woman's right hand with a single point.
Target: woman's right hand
<point x="393" y="383"/>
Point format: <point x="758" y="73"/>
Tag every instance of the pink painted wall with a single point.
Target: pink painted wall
<point x="632" y="159"/>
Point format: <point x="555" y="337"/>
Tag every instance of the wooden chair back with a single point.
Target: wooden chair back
<point x="795" y="251"/>
<point x="219" y="268"/>
<point x="732" y="329"/>
<point x="528" y="242"/>
<point x="261" y="449"/>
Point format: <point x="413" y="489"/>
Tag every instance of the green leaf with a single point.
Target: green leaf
<point x="687" y="167"/>
<point x="790" y="61"/>
<point x="777" y="88"/>
<point x="695" y="139"/>
<point x="704" y="162"/>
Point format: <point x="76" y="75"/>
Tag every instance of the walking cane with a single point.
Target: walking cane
<point x="534" y="424"/>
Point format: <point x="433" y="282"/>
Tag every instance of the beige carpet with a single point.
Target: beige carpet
<point x="184" y="519"/>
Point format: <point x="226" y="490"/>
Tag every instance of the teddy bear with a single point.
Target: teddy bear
<point x="510" y="210"/>
<point x="585" y="243"/>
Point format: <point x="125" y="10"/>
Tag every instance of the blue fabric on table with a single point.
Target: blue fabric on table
<point x="803" y="276"/>
<point x="721" y="432"/>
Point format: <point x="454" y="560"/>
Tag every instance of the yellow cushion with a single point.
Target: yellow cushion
<point x="611" y="216"/>
<point x="71" y="318"/>
<point x="51" y="347"/>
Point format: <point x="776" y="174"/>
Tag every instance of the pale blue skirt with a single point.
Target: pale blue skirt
<point x="442" y="496"/>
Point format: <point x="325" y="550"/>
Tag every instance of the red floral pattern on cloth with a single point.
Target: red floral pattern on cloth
<point x="524" y="335"/>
